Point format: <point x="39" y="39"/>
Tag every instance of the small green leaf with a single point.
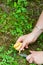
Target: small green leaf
<point x="18" y="11"/>
<point x="15" y="4"/>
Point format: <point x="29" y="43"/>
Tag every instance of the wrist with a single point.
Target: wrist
<point x="36" y="32"/>
<point x="40" y="30"/>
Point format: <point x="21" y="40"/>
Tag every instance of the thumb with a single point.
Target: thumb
<point x="32" y="51"/>
<point x="28" y="57"/>
<point x="19" y="39"/>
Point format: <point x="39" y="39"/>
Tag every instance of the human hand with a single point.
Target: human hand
<point x="26" y="40"/>
<point x="36" y="57"/>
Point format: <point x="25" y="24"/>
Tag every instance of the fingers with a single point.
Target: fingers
<point x="29" y="58"/>
<point x="23" y="45"/>
<point x="26" y="46"/>
<point x="24" y="42"/>
<point x="32" y="51"/>
<point x="20" y="39"/>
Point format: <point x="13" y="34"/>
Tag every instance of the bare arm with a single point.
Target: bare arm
<point x="32" y="37"/>
<point x="37" y="56"/>
<point x="39" y="26"/>
<point x="40" y="21"/>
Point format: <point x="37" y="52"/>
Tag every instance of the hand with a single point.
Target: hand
<point x="26" y="40"/>
<point x="36" y="57"/>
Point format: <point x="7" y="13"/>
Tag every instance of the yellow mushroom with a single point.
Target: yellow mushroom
<point x="17" y="46"/>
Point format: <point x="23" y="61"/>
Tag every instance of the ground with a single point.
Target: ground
<point x="17" y="19"/>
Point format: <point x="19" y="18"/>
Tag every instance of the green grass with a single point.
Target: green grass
<point x="17" y="18"/>
<point x="10" y="56"/>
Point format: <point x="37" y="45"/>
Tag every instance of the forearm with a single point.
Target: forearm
<point x="38" y="29"/>
<point x="40" y="21"/>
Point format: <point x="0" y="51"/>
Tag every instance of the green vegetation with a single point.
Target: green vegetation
<point x="10" y="56"/>
<point x="17" y="17"/>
